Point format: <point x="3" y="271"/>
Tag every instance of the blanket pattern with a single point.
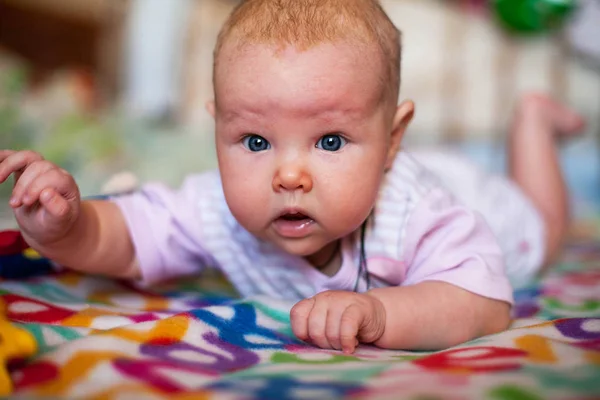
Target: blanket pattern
<point x="195" y="338"/>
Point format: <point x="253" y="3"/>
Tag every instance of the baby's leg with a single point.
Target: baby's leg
<point x="534" y="162"/>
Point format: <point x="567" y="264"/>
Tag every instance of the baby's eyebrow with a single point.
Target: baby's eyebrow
<point x="328" y="114"/>
<point x="232" y="115"/>
<point x="336" y="114"/>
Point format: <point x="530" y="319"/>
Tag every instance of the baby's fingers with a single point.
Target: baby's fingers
<point x="349" y="325"/>
<point x="299" y="317"/>
<point x="55" y="205"/>
<point x="53" y="178"/>
<point x="5" y="153"/>
<point x="22" y="194"/>
<point x="5" y="167"/>
<point x="16" y="161"/>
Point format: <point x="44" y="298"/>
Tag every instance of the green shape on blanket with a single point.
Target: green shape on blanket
<point x="292" y="358"/>
<point x="511" y="392"/>
<point x="363" y="373"/>
<point x="273" y="313"/>
<point x="409" y="358"/>
<point x="276" y="315"/>
<point x="51" y="292"/>
<point x="297" y="358"/>
<point x="586" y="308"/>
<point x="61" y="332"/>
<point x="582" y="379"/>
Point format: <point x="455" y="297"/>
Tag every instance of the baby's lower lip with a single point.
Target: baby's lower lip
<point x="293" y="228"/>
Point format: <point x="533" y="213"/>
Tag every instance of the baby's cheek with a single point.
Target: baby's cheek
<point x="246" y="202"/>
<point x="357" y="196"/>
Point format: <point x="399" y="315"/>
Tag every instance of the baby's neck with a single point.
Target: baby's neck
<point x="328" y="260"/>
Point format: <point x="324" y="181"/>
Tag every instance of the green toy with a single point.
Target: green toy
<point x="533" y="16"/>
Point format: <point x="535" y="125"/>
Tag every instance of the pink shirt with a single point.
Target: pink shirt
<point x="420" y="233"/>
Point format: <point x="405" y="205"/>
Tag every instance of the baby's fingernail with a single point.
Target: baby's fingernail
<point x="13" y="201"/>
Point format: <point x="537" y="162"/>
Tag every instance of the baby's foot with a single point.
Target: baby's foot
<point x="565" y="121"/>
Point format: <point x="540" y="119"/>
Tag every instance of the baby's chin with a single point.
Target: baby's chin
<point x="306" y="246"/>
<point x="301" y="247"/>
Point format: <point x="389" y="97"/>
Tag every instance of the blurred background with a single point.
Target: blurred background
<point x="114" y="90"/>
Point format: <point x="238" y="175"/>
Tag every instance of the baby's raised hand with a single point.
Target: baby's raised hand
<point x="45" y="198"/>
<point x="339" y="319"/>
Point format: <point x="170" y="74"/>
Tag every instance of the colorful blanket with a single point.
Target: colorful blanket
<point x="105" y="339"/>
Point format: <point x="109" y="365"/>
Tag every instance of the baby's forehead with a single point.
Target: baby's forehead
<point x="240" y="51"/>
<point x="329" y="76"/>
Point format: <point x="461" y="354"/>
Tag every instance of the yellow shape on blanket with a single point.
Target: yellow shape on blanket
<point x="75" y="370"/>
<point x="86" y="317"/>
<point x="151" y="303"/>
<point x="173" y="328"/>
<point x="31" y="254"/>
<point x="156" y="304"/>
<point x="538" y="347"/>
<point x="15" y="342"/>
<point x="593" y="357"/>
<point x="70" y="278"/>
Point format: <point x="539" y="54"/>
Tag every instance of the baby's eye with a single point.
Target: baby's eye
<point x="331" y="143"/>
<point x="256" y="143"/>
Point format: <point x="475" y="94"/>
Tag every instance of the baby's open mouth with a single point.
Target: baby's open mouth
<point x="294" y="224"/>
<point x="294" y="217"/>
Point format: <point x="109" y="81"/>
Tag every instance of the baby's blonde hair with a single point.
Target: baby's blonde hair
<point x="306" y="23"/>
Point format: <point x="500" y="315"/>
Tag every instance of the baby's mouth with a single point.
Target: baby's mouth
<point x="294" y="217"/>
<point x="293" y="224"/>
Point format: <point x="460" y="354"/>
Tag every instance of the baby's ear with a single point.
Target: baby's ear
<point x="403" y="116"/>
<point x="210" y="107"/>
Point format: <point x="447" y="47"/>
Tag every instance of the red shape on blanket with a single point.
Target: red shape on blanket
<point x="162" y="341"/>
<point x="39" y="311"/>
<point x="35" y="374"/>
<point x="11" y="242"/>
<point x="474" y="360"/>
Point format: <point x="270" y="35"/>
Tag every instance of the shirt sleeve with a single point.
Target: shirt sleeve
<point x="163" y="228"/>
<point x="445" y="241"/>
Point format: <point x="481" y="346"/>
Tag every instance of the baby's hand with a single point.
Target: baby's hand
<point x="339" y="319"/>
<point x="45" y="198"/>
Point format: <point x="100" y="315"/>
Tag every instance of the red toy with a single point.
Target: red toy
<point x="18" y="260"/>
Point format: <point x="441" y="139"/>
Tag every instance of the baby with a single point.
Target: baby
<point x="314" y="200"/>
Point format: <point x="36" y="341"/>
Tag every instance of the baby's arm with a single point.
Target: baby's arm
<point x="454" y="289"/>
<point x="91" y="237"/>
<point x="435" y="315"/>
<point x="426" y="316"/>
<point x="97" y="243"/>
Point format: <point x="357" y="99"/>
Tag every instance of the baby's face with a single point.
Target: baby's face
<point x="302" y="141"/>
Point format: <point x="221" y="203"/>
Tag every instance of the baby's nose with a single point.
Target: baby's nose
<point x="292" y="177"/>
